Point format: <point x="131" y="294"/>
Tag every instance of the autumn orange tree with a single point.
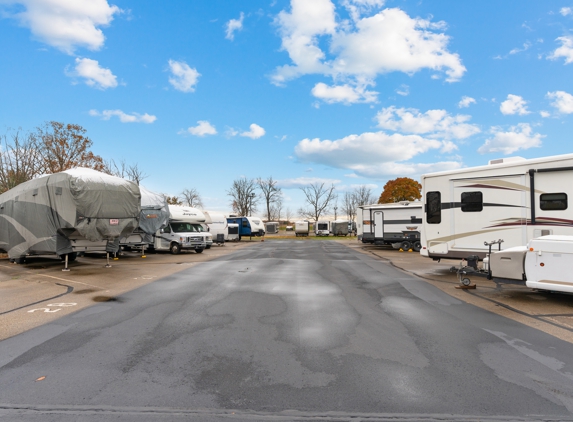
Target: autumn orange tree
<point x="400" y="189"/>
<point x="65" y="146"/>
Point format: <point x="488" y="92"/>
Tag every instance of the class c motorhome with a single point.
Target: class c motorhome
<point x="184" y="231"/>
<point x="513" y="199"/>
<point x="398" y="224"/>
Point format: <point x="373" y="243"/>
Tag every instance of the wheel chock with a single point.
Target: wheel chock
<point x="469" y="286"/>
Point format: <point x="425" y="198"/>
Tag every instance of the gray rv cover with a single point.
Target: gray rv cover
<point x="46" y="214"/>
<point x="154" y="213"/>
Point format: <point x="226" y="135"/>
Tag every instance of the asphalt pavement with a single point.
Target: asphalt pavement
<point x="286" y="330"/>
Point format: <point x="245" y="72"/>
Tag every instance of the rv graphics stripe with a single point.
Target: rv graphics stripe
<point x="499" y="184"/>
<point x="453" y="205"/>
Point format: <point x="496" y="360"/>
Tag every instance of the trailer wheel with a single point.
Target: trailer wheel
<point x="466" y="281"/>
<point x="199" y="250"/>
<point x="417" y="246"/>
<point x="174" y="248"/>
<point x="406" y="245"/>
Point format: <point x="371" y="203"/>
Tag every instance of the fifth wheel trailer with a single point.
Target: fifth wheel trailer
<point x="397" y="223"/>
<point x="513" y="199"/>
<point x="77" y="210"/>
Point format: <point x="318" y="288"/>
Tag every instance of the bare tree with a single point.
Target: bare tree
<point x="276" y="210"/>
<point x="64" y="146"/>
<point x="349" y="205"/>
<point x="270" y="193"/>
<point x="288" y="215"/>
<point x="243" y="197"/>
<point x="125" y="171"/>
<point x="20" y="160"/>
<point x="192" y="198"/>
<point x="363" y="195"/>
<point x="173" y="200"/>
<point x="318" y="199"/>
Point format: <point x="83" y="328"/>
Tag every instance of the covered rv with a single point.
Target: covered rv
<point x="64" y="213"/>
<point x="396" y="224"/>
<point x="272" y="227"/>
<point x="339" y="227"/>
<point x="513" y="199"/>
<point x="153" y="217"/>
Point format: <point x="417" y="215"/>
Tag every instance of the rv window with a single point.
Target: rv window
<point x="472" y="201"/>
<point x="553" y="201"/>
<point x="245" y="223"/>
<point x="433" y="208"/>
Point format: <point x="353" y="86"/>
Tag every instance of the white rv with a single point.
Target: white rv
<point x="184" y="231"/>
<point x="322" y="228"/>
<point x="301" y="228"/>
<point x="272" y="227"/>
<point x="216" y="223"/>
<point x="398" y="224"/>
<point x="513" y="199"/>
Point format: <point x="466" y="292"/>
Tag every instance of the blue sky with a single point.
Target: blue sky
<point x="349" y="92"/>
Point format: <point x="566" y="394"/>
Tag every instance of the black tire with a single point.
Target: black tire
<point x="175" y="248"/>
<point x="208" y="247"/>
<point x="466" y="281"/>
<point x="199" y="250"/>
<point x="20" y="261"/>
<point x="417" y="246"/>
<point x="406" y="245"/>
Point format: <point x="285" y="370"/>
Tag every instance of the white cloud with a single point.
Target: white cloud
<point x="403" y="90"/>
<point x="234" y="25"/>
<point x="514" y="104"/>
<point x="184" y="78"/>
<point x="565" y="51"/>
<point x="255" y="132"/>
<point x="388" y="41"/>
<point x="466" y="101"/>
<point x="203" y="128"/>
<point x="304" y="181"/>
<point x="94" y="75"/>
<point x="124" y="117"/>
<point x="544" y="114"/>
<point x="563" y="101"/>
<point x="519" y="137"/>
<point x="367" y="154"/>
<point x="434" y="123"/>
<point x="358" y="7"/>
<point x="525" y="47"/>
<point x="565" y="11"/>
<point x="343" y="94"/>
<point x="64" y="24"/>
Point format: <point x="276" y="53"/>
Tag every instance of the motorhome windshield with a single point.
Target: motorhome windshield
<point x="183" y="227"/>
<point x="199" y="227"/>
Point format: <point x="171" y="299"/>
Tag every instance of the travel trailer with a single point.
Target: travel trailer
<point x="77" y="210"/>
<point x="272" y="227"/>
<point x="301" y="228"/>
<point x="543" y="264"/>
<point x="513" y="199"/>
<point x="184" y="231"/>
<point x="339" y="228"/>
<point x="322" y="228"/>
<point x="216" y="223"/>
<point x="154" y="216"/>
<point x="398" y="224"/>
<point x="248" y="226"/>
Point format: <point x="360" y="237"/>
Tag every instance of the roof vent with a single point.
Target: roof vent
<point x="505" y="160"/>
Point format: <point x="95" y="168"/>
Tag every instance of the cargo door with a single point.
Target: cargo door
<point x="378" y="224"/>
<point x="487" y="209"/>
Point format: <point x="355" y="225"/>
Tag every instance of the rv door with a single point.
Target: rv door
<point x="378" y="224"/>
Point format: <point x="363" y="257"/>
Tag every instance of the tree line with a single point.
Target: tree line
<point x="54" y="147"/>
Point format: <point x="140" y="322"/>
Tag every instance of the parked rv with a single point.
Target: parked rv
<point x="184" y="231"/>
<point x="510" y="198"/>
<point x="248" y="226"/>
<point x="398" y="224"/>
<point x="339" y="228"/>
<point x="216" y="223"/>
<point x="543" y="264"/>
<point x="272" y="227"/>
<point x="233" y="230"/>
<point x="153" y="217"/>
<point x="322" y="228"/>
<point x="77" y="210"/>
<point x="301" y="228"/>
